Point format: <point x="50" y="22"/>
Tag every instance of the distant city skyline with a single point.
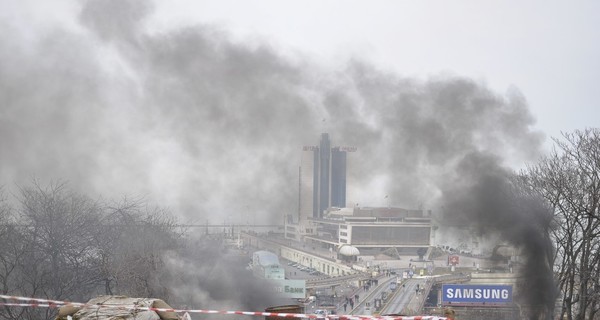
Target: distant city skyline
<point x="199" y="108"/>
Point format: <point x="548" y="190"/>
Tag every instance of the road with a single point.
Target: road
<point x="408" y="298"/>
<point x="368" y="300"/>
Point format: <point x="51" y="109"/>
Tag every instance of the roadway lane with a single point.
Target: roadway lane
<point x="406" y="300"/>
<point x="366" y="303"/>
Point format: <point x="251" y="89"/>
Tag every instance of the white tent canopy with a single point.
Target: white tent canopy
<point x="349" y="251"/>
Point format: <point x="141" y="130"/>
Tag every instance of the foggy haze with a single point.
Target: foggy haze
<point x="212" y="128"/>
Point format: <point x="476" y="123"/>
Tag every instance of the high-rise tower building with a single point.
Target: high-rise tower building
<point x="322" y="178"/>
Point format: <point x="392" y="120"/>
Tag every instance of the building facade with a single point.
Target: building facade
<point x="324" y="218"/>
<point x="373" y="230"/>
<point x="322" y="178"/>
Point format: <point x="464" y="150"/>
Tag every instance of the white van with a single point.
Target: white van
<point x="321" y="313"/>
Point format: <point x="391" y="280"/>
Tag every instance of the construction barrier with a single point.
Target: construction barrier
<point x="45" y="303"/>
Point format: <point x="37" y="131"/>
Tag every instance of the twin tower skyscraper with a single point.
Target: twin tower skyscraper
<point x="322" y="178"/>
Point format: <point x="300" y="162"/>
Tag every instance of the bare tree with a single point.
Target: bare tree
<point x="61" y="245"/>
<point x="139" y="236"/>
<point x="11" y="255"/>
<point x="570" y="180"/>
<point x="59" y="235"/>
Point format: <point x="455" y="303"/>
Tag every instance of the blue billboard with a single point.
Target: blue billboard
<point x="476" y="294"/>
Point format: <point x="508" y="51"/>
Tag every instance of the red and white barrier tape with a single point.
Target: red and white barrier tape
<point x="44" y="303"/>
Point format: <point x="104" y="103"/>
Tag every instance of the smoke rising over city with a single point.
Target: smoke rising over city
<point x="492" y="203"/>
<point x="212" y="128"/>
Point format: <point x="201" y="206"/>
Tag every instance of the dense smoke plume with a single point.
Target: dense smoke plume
<point x="205" y="276"/>
<point x="212" y="128"/>
<point x="493" y="202"/>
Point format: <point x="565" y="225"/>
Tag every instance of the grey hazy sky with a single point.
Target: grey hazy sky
<point x="548" y="49"/>
<point x="203" y="106"/>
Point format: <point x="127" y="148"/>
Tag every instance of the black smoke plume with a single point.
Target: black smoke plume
<point x="493" y="201"/>
<point x="212" y="127"/>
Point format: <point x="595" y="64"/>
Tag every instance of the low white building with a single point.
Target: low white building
<point x="371" y="230"/>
